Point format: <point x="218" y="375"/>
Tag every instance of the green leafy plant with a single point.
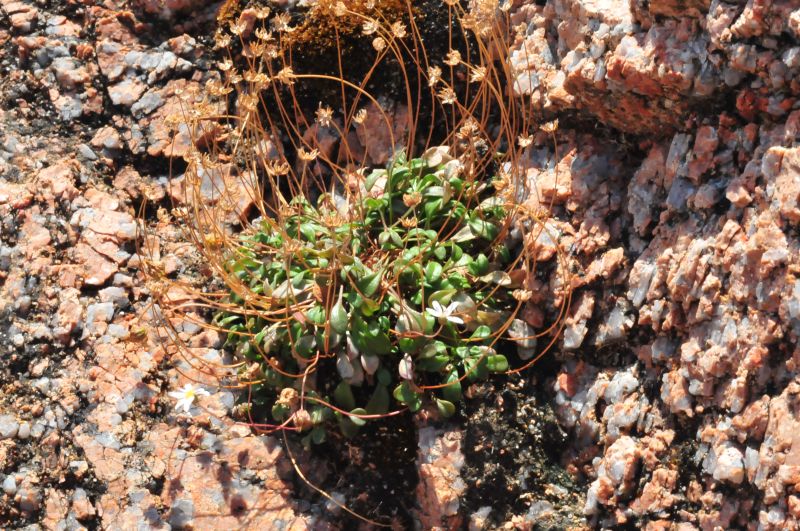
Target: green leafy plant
<point x="384" y="297"/>
<point x="348" y="293"/>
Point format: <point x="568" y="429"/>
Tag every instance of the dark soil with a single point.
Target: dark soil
<point x="512" y="447"/>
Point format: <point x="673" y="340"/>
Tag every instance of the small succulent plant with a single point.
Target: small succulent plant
<point x="378" y="298"/>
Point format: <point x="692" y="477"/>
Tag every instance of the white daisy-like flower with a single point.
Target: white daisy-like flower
<point x="186" y="396"/>
<point x="440" y="312"/>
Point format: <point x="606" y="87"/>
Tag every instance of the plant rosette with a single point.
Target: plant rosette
<point x="379" y="299"/>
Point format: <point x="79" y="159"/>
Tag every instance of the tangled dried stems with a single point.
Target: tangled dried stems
<point x="275" y="158"/>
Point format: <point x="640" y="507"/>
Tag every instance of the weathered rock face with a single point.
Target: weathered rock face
<point x="677" y="372"/>
<point x="645" y="67"/>
<point x="702" y="303"/>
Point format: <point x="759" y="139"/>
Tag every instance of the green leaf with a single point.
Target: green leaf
<point x="483" y="229"/>
<point x="453" y="391"/>
<point x="432" y="207"/>
<point x="479" y="266"/>
<point x="343" y="395"/>
<point x="433" y="364"/>
<point x="446" y="408"/>
<point x="384" y="376"/>
<point x="309" y="232"/>
<point x="497" y="363"/>
<point x="476" y="369"/>
<point x="433" y="271"/>
<point x="403" y="394"/>
<point x="372" y="178"/>
<point x="304" y="346"/>
<point x="318" y="435"/>
<point x="316" y="315"/>
<point x="347" y="426"/>
<point x="432" y="349"/>
<point x="280" y="412"/>
<point x="379" y="403"/>
<point x="482" y="332"/>
<point x="369" y="284"/>
<point x="356" y="420"/>
<point x="339" y="316"/>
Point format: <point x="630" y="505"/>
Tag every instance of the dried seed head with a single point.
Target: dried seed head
<point x="222" y="40"/>
<point x="379" y="44"/>
<point x="413" y="199"/>
<point x="524" y="141"/>
<point x="550" y="127"/>
<point x="286" y="76"/>
<point x="289" y="397"/>
<point x="409" y="222"/>
<point x="452" y="58"/>
<point x="478" y="74"/>
<point x="360" y="116"/>
<point x="469" y="129"/>
<point x="369" y="27"/>
<point x="399" y="30"/>
<point x="263" y="34"/>
<point x="307" y="156"/>
<point x="238" y="28"/>
<point x="522" y="295"/>
<point x="434" y="76"/>
<point x="447" y="96"/>
<point x="324" y="115"/>
<point x="281" y="23"/>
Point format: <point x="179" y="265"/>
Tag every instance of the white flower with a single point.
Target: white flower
<point x="186" y="396"/>
<point x="440" y="312"/>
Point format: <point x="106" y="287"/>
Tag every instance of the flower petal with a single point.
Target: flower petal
<point x="455" y="319"/>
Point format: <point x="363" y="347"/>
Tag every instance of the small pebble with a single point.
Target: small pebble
<point x="24" y="430"/>
<point x="10" y="485"/>
<point x="38" y="430"/>
<point x="8" y="427"/>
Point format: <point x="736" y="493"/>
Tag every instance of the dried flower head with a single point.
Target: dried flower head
<point x="238" y="28"/>
<point x="453" y="58"/>
<point x="369" y="27"/>
<point x="550" y="127"/>
<point x="281" y="23"/>
<point x="447" y="96"/>
<point x="379" y="44"/>
<point x="307" y="156"/>
<point x="399" y="30"/>
<point x="434" y="76"/>
<point x="469" y="129"/>
<point x="286" y="75"/>
<point x="478" y="74"/>
<point x="413" y="199"/>
<point x="522" y="295"/>
<point x="324" y="115"/>
<point x="409" y="222"/>
<point x="360" y="116"/>
<point x="263" y="34"/>
<point x="524" y="141"/>
<point x="222" y="40"/>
